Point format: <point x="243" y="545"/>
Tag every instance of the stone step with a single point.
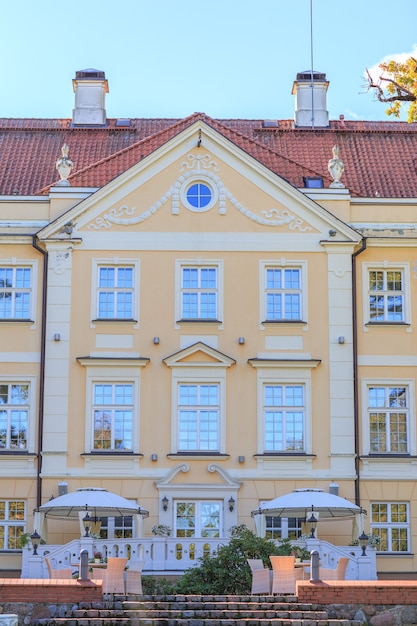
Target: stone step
<point x="163" y="621"/>
<point x="204" y="613"/>
<point x="196" y="611"/>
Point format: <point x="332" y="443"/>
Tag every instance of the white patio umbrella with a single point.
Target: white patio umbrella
<point x="97" y="501"/>
<point x="301" y="502"/>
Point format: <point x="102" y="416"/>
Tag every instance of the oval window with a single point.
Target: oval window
<point x="199" y="195"/>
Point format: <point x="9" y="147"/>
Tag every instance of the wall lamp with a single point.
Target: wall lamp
<point x="363" y="542"/>
<point x="312" y="519"/>
<point x="165" y="503"/>
<point x="231" y="504"/>
<point x="35" y="538"/>
<point x="87" y="522"/>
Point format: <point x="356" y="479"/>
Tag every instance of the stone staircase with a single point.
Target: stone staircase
<point x="196" y="610"/>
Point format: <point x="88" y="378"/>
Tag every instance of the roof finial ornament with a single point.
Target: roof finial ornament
<point x="64" y="166"/>
<point x="336" y="168"/>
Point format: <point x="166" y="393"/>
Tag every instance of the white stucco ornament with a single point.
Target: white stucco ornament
<point x="64" y="166"/>
<point x="336" y="168"/>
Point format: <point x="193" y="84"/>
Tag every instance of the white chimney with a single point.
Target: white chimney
<point x="310" y="102"/>
<point x="90" y="87"/>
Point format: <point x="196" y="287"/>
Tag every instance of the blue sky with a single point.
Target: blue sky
<point x="171" y="58"/>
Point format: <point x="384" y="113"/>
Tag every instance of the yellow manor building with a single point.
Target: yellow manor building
<point x="201" y="315"/>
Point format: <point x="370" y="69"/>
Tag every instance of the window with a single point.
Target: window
<point x="113" y="416"/>
<point x="14" y="416"/>
<point x="386" y="295"/>
<point x="116" y="527"/>
<point x="391" y="521"/>
<point x="284" y="409"/>
<point x="199" y="195"/>
<point x="283" y="527"/>
<point x="198" y="399"/>
<point x="12" y="523"/>
<point x="112" y="404"/>
<point x="283" y="292"/>
<point x="15" y="292"/>
<point x="199" y="293"/>
<point x="115" y="292"/>
<point x="388" y="419"/>
<point x="198" y="417"/>
<point x="198" y="519"/>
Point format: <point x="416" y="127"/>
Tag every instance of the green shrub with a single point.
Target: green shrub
<point x="227" y="570"/>
<point x="156" y="586"/>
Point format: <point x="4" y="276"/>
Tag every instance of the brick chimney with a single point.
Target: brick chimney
<point x="310" y="103"/>
<point x="90" y="87"/>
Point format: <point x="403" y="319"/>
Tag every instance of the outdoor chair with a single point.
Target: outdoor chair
<point x="261" y="576"/>
<point x="65" y="572"/>
<point x="113" y="575"/>
<point x="335" y="573"/>
<point x="134" y="577"/>
<point x="285" y="574"/>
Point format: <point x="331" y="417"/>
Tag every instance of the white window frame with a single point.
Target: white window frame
<point x="285" y="408"/>
<point x="411" y="422"/>
<point x="282" y="264"/>
<point x="385" y="266"/>
<point x="389" y="525"/>
<point x="199" y="263"/>
<point x="7" y="523"/>
<point x="198" y="375"/>
<point x="199" y="408"/>
<point x="33" y="266"/>
<point x="108" y="372"/>
<point x="31" y="381"/>
<point x="112" y="408"/>
<point x="115" y="262"/>
<point x="274" y="374"/>
<point x="198" y="503"/>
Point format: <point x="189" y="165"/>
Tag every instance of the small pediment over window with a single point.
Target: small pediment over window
<point x="199" y="353"/>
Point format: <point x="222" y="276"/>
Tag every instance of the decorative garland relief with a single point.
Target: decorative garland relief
<point x="197" y="166"/>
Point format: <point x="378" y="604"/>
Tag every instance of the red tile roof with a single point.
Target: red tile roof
<point x="380" y="157"/>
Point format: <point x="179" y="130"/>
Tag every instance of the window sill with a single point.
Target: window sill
<point x="107" y="453"/>
<point x="198" y="455"/>
<point x="394" y="554"/>
<point x="298" y="322"/>
<point x="112" y="320"/>
<point x="6" y="452"/>
<point x="386" y="456"/>
<point x="384" y="323"/>
<point x="268" y="455"/>
<point x="14" y="320"/>
<point x="198" y="320"/>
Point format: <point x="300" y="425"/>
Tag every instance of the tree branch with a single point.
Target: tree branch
<point x="402" y="94"/>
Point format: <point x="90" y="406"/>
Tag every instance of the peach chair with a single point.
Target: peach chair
<point x="285" y="574"/>
<point x="65" y="572"/>
<point x="134" y="577"/>
<point x="335" y="573"/>
<point x="261" y="576"/>
<point x="114" y="575"/>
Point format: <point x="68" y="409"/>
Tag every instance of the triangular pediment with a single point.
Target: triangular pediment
<point x="199" y="354"/>
<point x="150" y="198"/>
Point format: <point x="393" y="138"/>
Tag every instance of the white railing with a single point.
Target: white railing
<point x="167" y="554"/>
<point x="161" y="554"/>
